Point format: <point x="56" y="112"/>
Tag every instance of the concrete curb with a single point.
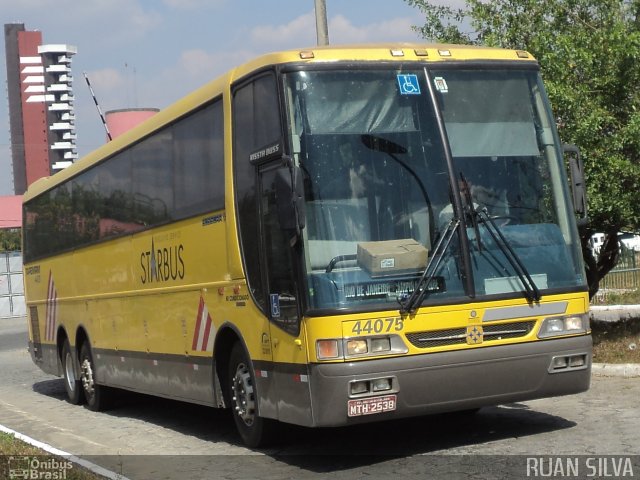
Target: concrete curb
<point x="90" y="466"/>
<point x="626" y="370"/>
<point x="614" y="313"/>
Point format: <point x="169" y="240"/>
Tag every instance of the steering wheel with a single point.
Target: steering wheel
<point x="339" y="258"/>
<point x="503" y="220"/>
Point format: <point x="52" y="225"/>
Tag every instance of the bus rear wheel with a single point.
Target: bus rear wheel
<point x="72" y="385"/>
<point x="97" y="396"/>
<point x="255" y="430"/>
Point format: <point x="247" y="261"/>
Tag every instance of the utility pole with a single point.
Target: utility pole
<point x="322" y="30"/>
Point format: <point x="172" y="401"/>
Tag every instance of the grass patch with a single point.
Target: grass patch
<point x="616" y="342"/>
<point x="617" y="297"/>
<point x="9" y="445"/>
<point x="20" y="458"/>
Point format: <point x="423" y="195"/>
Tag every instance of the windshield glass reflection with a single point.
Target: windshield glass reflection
<point x="377" y="189"/>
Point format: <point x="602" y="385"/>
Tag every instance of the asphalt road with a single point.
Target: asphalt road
<point x="150" y="438"/>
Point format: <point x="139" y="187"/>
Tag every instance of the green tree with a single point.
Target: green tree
<point x="589" y="54"/>
<point x="9" y="240"/>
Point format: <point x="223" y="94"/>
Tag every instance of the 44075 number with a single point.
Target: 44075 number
<point x="377" y="326"/>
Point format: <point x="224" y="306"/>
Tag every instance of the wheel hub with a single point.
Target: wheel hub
<point x="243" y="397"/>
<point x="87" y="376"/>
<point x="69" y="373"/>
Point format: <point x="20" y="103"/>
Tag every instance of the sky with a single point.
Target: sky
<point x="144" y="53"/>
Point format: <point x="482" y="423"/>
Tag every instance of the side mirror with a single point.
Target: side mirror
<point x="576" y="179"/>
<point x="290" y="198"/>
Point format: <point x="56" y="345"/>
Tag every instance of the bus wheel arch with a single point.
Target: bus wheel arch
<point x="255" y="430"/>
<point x="61" y="337"/>
<point x="226" y="338"/>
<point x="81" y="337"/>
<point x="70" y="369"/>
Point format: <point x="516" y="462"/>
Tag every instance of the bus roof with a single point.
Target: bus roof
<point x="400" y="52"/>
<point x="388" y="52"/>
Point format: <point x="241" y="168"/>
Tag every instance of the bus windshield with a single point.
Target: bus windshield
<point x="379" y="187"/>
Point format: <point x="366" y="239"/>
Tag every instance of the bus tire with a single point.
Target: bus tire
<point x="97" y="396"/>
<point x="256" y="431"/>
<point x="72" y="384"/>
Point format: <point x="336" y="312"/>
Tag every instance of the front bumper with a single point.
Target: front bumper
<point x="450" y="381"/>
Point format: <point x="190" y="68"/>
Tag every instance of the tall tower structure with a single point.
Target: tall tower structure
<point x="26" y="116"/>
<point x="56" y="62"/>
<point x="41" y="115"/>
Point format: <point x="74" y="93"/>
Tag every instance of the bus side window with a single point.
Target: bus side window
<point x="256" y="124"/>
<point x="281" y="284"/>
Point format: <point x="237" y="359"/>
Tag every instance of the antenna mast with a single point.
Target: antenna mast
<point x="95" y="100"/>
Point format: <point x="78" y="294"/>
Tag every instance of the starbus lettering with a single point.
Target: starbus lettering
<point x="162" y="264"/>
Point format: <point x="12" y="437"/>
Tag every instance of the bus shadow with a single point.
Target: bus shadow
<point x="51" y="388"/>
<point x="343" y="448"/>
<point x="205" y="423"/>
<point x="339" y="449"/>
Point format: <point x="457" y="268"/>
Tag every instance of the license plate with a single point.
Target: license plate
<point x="372" y="405"/>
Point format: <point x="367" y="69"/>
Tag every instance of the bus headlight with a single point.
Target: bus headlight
<point x="357" y="347"/>
<point x="378" y="345"/>
<point x="381" y="344"/>
<point x="365" y="346"/>
<point x="360" y="346"/>
<point x="574" y="323"/>
<point x="569" y="325"/>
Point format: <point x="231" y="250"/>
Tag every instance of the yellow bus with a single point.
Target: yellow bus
<point x="320" y="237"/>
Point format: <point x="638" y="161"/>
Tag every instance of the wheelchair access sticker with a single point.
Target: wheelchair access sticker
<point x="275" y="305"/>
<point x="408" y="84"/>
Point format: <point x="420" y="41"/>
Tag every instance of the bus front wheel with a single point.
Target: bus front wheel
<point x="97" y="396"/>
<point x="72" y="384"/>
<point x="255" y="430"/>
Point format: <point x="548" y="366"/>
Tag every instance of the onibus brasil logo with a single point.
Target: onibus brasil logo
<point x="38" y="468"/>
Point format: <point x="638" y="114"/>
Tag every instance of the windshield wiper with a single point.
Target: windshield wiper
<point x="479" y="214"/>
<point x="532" y="293"/>
<point x="410" y="303"/>
<point x="379" y="144"/>
<point x="467" y="203"/>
